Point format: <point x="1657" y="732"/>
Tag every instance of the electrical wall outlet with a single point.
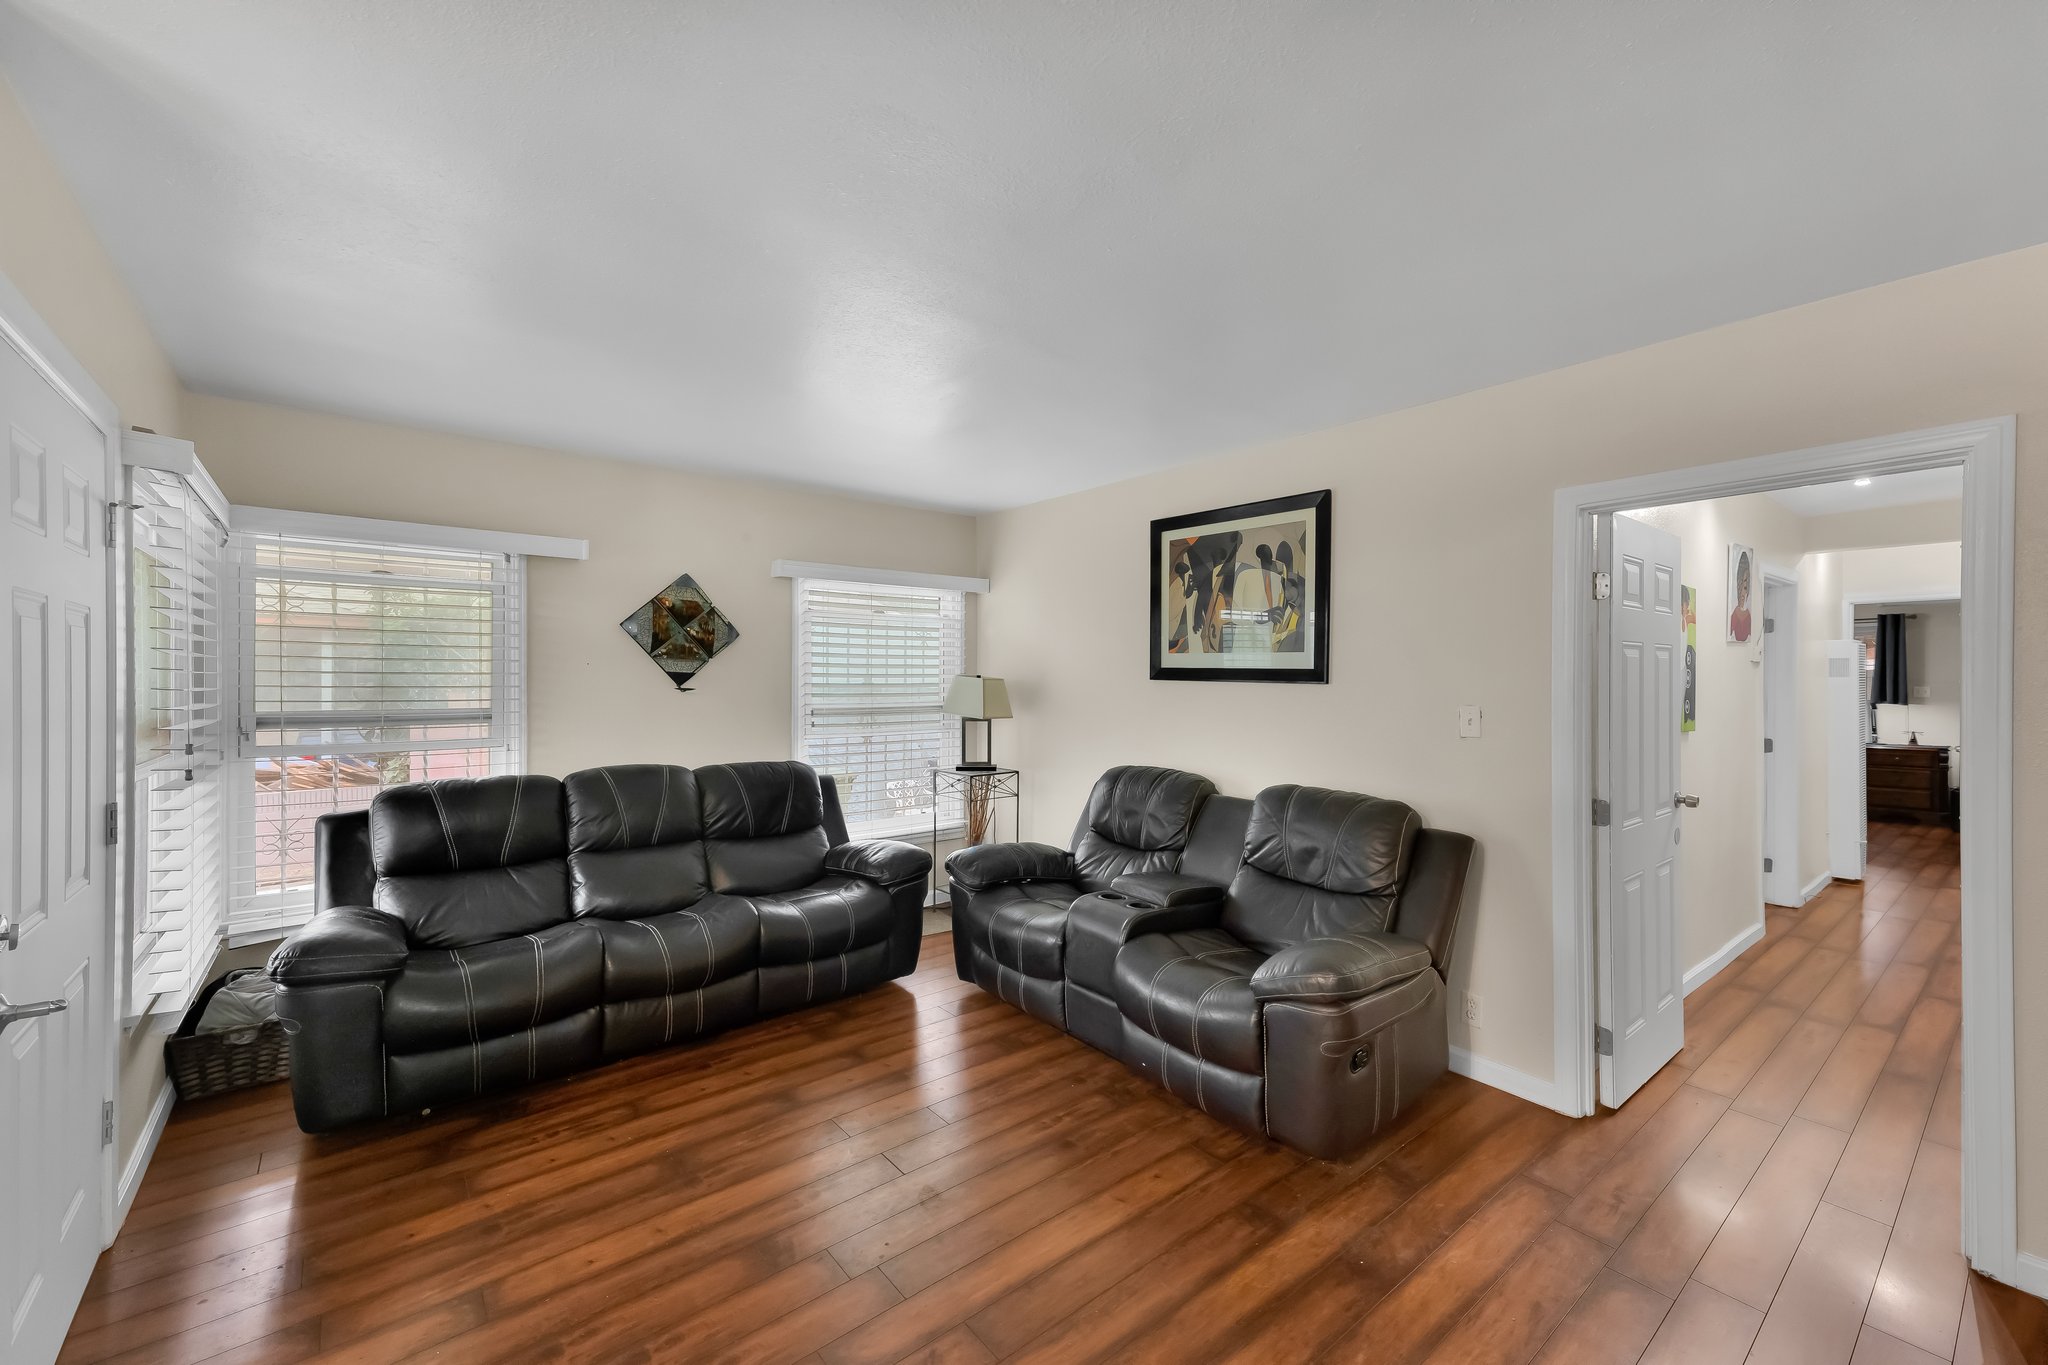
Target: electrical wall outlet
<point x="1470" y="722"/>
<point x="1472" y="1010"/>
<point x="1922" y="693"/>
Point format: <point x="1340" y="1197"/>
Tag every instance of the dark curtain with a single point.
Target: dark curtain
<point x="1890" y="687"/>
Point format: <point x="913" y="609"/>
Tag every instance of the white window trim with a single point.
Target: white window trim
<point x="278" y="521"/>
<point x="895" y="578"/>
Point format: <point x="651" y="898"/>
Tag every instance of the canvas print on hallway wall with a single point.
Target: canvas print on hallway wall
<point x="1742" y="576"/>
<point x="1242" y="593"/>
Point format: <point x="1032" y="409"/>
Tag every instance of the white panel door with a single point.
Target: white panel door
<point x="1641" y="995"/>
<point x="54" y="889"/>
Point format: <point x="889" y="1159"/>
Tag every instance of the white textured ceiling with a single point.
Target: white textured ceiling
<point x="1885" y="490"/>
<point x="981" y="252"/>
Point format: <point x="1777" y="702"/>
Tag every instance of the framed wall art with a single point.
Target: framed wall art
<point x="1242" y="594"/>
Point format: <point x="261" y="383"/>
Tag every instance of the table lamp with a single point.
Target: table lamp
<point x="973" y="697"/>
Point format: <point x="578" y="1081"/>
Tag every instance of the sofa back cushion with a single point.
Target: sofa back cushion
<point x="636" y="841"/>
<point x="1137" y="820"/>
<point x="764" y="826"/>
<point x="466" y="861"/>
<point x="1319" y="862"/>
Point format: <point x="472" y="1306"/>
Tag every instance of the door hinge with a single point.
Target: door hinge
<point x="106" y="1123"/>
<point x="1603" y="1041"/>
<point x="1770" y="745"/>
<point x="1602" y="813"/>
<point x="1767" y="864"/>
<point x="113" y="822"/>
<point x="115" y="507"/>
<point x="1603" y="586"/>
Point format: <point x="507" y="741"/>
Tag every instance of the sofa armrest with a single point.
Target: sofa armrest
<point x="346" y="943"/>
<point x="883" y="861"/>
<point x="1330" y="970"/>
<point x="1166" y="888"/>
<point x="984" y="865"/>
<point x="1099" y="925"/>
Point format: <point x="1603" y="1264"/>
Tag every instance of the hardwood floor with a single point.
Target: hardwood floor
<point x="924" y="1174"/>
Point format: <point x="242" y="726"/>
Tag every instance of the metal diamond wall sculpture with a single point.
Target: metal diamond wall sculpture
<point x="680" y="629"/>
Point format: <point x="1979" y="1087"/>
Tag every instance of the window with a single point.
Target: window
<point x="177" y="801"/>
<point x="363" y="665"/>
<point x="873" y="661"/>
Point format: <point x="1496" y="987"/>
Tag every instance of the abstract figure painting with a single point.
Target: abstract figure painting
<point x="1243" y="593"/>
<point x="1742" y="578"/>
<point x="680" y="629"/>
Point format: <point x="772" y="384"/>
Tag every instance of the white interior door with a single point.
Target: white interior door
<point x="1846" y="720"/>
<point x="1781" y="750"/>
<point x="1641" y="992"/>
<point x="54" y="878"/>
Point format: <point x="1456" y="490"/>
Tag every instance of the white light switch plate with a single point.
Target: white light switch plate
<point x="1470" y="719"/>
<point x="1922" y="693"/>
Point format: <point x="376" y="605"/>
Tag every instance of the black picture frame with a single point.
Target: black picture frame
<point x="1314" y="594"/>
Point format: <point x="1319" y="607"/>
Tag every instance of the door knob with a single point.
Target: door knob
<point x="10" y="1012"/>
<point x="10" y="934"/>
<point x="1692" y="802"/>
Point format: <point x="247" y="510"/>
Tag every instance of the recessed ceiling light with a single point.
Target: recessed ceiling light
<point x="1863" y="483"/>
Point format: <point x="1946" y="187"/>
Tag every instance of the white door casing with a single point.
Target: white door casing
<point x="55" y="883"/>
<point x="1641" y="981"/>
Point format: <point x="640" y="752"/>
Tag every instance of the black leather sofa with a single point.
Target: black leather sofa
<point x="476" y="935"/>
<point x="1278" y="962"/>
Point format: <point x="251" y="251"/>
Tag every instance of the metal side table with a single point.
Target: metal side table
<point x="969" y="784"/>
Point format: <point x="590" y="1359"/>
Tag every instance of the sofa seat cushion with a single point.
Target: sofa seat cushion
<point x="833" y="915"/>
<point x="1022" y="927"/>
<point x="1192" y="990"/>
<point x="454" y="997"/>
<point x="685" y="950"/>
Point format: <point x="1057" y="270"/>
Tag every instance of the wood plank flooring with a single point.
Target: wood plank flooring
<point x="924" y="1174"/>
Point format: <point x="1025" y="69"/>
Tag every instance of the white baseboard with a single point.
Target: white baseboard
<point x="145" y="1148"/>
<point x="1518" y="1083"/>
<point x="1704" y="972"/>
<point x="2030" y="1272"/>
<point x="1815" y="887"/>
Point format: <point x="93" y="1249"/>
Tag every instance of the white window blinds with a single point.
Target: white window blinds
<point x="363" y="666"/>
<point x="873" y="662"/>
<point x="178" y="803"/>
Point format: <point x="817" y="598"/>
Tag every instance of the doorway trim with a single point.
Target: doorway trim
<point x="1985" y="451"/>
<point x="23" y="330"/>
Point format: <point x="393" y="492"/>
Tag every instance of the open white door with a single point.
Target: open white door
<point x="53" y="868"/>
<point x="1847" y="819"/>
<point x="1641" y="1005"/>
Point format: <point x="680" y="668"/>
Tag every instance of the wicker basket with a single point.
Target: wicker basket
<point x="203" y="1064"/>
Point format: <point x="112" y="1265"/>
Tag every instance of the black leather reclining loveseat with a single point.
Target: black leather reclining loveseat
<point x="1278" y="962"/>
<point x="477" y="935"/>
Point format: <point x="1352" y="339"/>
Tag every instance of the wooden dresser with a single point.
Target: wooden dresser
<point x="1907" y="782"/>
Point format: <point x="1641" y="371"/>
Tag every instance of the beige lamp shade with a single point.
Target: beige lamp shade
<point x="977" y="698"/>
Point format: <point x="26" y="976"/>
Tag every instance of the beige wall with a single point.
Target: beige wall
<point x="50" y="253"/>
<point x="1916" y="524"/>
<point x="1442" y="551"/>
<point x="1720" y="858"/>
<point x="592" y="696"/>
